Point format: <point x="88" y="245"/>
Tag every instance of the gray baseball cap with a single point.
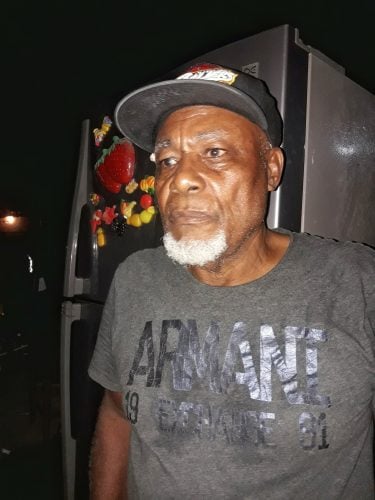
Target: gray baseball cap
<point x="139" y="114"/>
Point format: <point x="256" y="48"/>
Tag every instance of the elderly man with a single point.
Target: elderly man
<point x="246" y="370"/>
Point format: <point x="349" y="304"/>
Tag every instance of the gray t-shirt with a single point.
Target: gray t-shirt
<point x="257" y="391"/>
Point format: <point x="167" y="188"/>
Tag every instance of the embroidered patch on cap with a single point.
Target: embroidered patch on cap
<point x="209" y="72"/>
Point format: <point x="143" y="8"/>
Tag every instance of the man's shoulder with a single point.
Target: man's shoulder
<point x="334" y="252"/>
<point x="142" y="262"/>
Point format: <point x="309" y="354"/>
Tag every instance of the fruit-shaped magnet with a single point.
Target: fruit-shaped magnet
<point x="100" y="237"/>
<point x="100" y="133"/>
<point x="146" y="201"/>
<point x="148" y="184"/>
<point x="116" y="165"/>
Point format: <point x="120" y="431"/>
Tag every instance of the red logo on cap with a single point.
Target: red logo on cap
<point x="202" y="67"/>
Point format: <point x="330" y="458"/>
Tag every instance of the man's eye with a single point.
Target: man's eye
<point x="215" y="152"/>
<point x="167" y="162"/>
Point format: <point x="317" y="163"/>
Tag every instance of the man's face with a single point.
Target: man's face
<point x="210" y="175"/>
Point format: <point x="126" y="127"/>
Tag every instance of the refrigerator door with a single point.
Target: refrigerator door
<point x="80" y="396"/>
<point x="97" y="265"/>
<point x="89" y="266"/>
<point x="339" y="184"/>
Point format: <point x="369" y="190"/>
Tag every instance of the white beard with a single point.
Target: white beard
<point x="195" y="252"/>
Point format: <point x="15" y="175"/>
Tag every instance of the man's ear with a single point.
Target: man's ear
<point x="275" y="166"/>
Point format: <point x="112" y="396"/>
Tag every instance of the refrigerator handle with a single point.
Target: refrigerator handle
<point x="70" y="312"/>
<point x="74" y="285"/>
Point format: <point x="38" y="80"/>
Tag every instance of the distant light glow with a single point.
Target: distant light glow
<point x="13" y="221"/>
<point x="9" y="219"/>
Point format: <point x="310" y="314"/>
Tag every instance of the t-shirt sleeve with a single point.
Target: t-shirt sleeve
<point x="102" y="367"/>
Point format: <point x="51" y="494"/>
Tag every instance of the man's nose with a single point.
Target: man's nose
<point x="187" y="177"/>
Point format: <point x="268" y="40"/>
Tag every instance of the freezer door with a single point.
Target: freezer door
<point x="80" y="396"/>
<point x="89" y="268"/>
<point x="339" y="184"/>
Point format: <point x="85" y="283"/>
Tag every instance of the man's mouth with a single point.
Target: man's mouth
<point x="182" y="217"/>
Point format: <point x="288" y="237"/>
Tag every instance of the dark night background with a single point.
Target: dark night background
<point x="60" y="62"/>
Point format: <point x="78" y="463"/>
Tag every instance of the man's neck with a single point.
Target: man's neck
<point x="261" y="252"/>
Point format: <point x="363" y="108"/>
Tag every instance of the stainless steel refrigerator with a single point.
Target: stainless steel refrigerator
<point x="328" y="189"/>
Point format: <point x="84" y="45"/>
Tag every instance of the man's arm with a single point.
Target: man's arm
<point x="109" y="455"/>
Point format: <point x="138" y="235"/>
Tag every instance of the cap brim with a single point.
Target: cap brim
<point x="138" y="114"/>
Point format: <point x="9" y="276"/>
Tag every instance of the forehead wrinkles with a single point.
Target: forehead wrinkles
<point x="193" y="138"/>
<point x="198" y="124"/>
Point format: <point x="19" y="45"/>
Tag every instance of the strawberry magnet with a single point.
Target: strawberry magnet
<point x="116" y="165"/>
